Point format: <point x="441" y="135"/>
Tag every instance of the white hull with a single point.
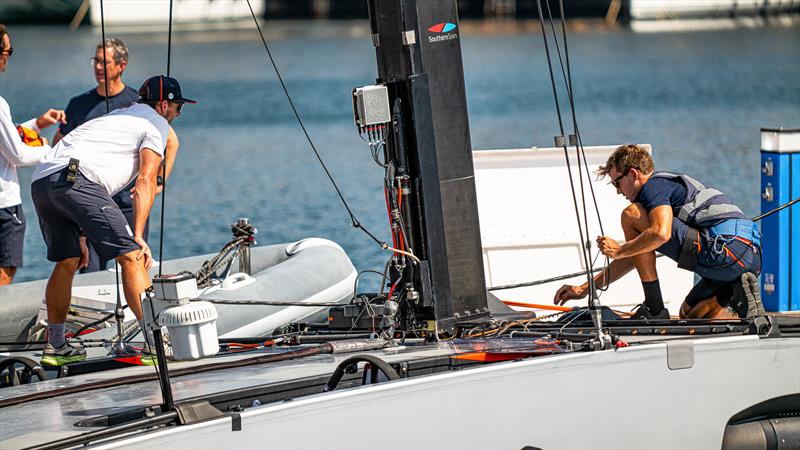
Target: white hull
<point x="628" y="398"/>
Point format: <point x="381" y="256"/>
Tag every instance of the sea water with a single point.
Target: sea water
<point x="698" y="97"/>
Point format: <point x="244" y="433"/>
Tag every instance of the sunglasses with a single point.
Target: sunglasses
<point x="179" y="107"/>
<point x="96" y="62"/>
<point x="615" y="181"/>
<point x="7" y="51"/>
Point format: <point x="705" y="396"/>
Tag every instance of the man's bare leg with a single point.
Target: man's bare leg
<point x="683" y="313"/>
<point x="59" y="290"/>
<point x="135" y="280"/>
<point x="634" y="221"/>
<point x="7" y="275"/>
<point x="706" y="309"/>
<point x="58" y="295"/>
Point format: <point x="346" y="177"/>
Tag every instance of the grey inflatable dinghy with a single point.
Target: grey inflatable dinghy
<point x="311" y="271"/>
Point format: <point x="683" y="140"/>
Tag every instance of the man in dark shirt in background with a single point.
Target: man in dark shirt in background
<point x="694" y="225"/>
<point x="91" y="105"/>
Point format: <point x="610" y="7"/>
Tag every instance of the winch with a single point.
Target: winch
<point x="191" y="324"/>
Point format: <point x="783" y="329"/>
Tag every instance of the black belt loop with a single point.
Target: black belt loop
<point x="72" y="170"/>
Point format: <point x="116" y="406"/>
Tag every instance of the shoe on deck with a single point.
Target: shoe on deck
<point x="149" y="356"/>
<point x="66" y="354"/>
<point x="123" y="350"/>
<point x="746" y="300"/>
<point x="643" y="313"/>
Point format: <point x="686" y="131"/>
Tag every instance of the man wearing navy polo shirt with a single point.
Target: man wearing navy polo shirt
<point x="91" y="105"/>
<point x="697" y="226"/>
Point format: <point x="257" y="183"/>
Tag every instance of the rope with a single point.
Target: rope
<point x="568" y="84"/>
<point x="586" y="258"/>
<point x="209" y="267"/>
<point x="169" y="38"/>
<point x="578" y="140"/>
<point x="105" y="72"/>
<point x="354" y="220"/>
<point x="769" y="213"/>
<point x="164" y="161"/>
<point x="108" y="109"/>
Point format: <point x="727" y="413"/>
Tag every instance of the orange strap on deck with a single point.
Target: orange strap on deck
<point x="537" y="306"/>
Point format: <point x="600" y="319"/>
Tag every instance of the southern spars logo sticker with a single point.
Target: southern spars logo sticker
<point x="444" y="31"/>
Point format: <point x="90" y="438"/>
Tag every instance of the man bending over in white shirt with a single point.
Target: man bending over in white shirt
<point x="72" y="189"/>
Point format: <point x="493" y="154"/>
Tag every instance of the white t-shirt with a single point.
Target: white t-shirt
<point x="13" y="154"/>
<point x="108" y="147"/>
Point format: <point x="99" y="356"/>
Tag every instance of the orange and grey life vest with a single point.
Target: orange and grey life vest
<point x="704" y="206"/>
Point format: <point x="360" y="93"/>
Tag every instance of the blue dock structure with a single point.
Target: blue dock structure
<point x="780" y="183"/>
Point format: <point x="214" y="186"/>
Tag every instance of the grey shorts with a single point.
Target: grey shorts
<point x="65" y="209"/>
<point x="12" y="236"/>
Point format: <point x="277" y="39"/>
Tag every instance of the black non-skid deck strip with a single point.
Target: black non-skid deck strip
<point x="141" y="378"/>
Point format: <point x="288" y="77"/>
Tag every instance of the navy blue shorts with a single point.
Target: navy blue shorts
<point x="125" y="203"/>
<point x="718" y="266"/>
<point x="66" y="208"/>
<point x="12" y="236"/>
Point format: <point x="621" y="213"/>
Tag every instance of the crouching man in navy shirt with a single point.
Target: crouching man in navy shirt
<point x="696" y="226"/>
<point x="72" y="189"/>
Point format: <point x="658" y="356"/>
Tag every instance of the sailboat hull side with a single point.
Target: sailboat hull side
<point x="624" y="399"/>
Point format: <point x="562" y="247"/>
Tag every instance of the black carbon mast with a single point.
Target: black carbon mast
<point x="418" y="49"/>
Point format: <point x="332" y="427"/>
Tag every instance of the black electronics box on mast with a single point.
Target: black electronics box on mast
<point x="418" y="50"/>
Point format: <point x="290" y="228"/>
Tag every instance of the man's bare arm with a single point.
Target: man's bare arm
<point x="616" y="270"/>
<point x="173" y="144"/>
<point x="57" y="137"/>
<point x="143" y="195"/>
<point x="655" y="236"/>
<point x="659" y="232"/>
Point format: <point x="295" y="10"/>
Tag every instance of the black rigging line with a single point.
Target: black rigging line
<point x="118" y="310"/>
<point x="355" y="222"/>
<point x="568" y="80"/>
<point x="584" y="250"/>
<point x="579" y="150"/>
<point x="769" y="213"/>
<point x="574" y="118"/>
<point x="103" y="33"/>
<point x="164" y="161"/>
<point x="585" y="243"/>
<point x="579" y="139"/>
<point x="169" y="38"/>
